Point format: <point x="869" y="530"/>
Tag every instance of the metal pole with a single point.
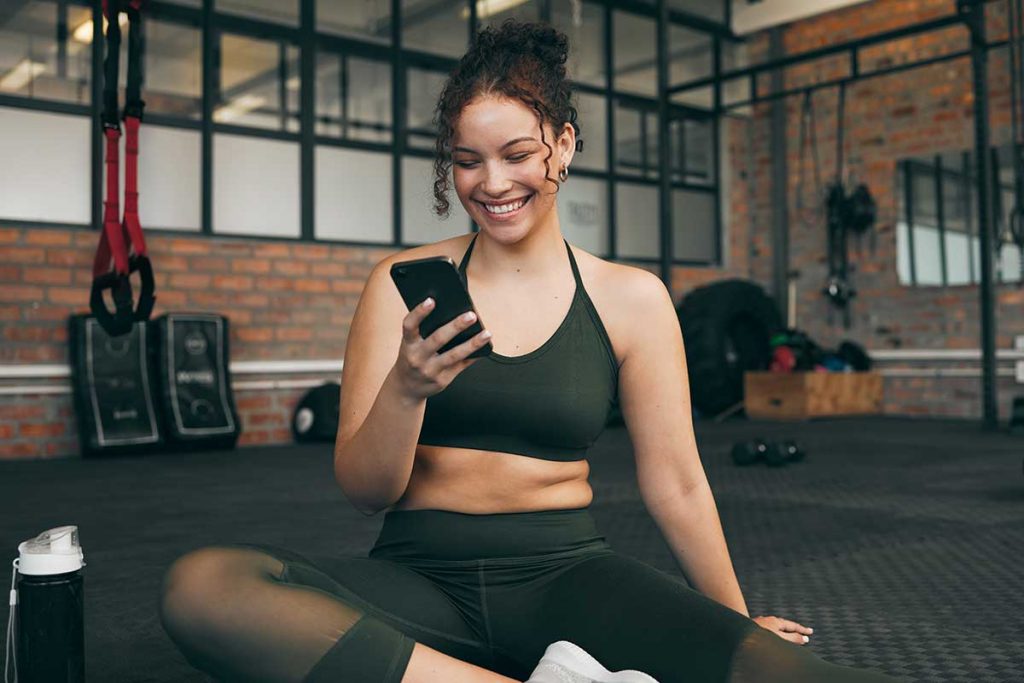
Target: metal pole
<point x="973" y="13"/>
<point x="664" y="150"/>
<point x="779" y="181"/>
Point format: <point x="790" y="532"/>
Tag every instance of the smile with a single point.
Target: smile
<point x="506" y="211"/>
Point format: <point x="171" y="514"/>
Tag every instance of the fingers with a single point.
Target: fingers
<point x="788" y="625"/>
<point x="411" y="322"/>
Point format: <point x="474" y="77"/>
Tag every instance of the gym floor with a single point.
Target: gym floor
<point x="898" y="540"/>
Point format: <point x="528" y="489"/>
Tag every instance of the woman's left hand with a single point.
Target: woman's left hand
<point x="786" y="629"/>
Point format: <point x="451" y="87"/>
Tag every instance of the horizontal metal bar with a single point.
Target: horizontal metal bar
<point x="827" y="51"/>
<point x="854" y="79"/>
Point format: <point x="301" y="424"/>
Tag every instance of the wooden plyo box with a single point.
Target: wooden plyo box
<point x="803" y="395"/>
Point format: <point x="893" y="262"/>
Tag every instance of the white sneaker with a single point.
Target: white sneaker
<point x="565" y="662"/>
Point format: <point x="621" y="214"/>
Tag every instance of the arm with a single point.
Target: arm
<point x="654" y="397"/>
<point x="379" y="424"/>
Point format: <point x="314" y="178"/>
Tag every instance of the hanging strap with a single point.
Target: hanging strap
<point x="113" y="265"/>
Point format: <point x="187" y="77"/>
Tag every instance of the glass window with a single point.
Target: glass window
<point x="957" y="268"/>
<point x="585" y="31"/>
<point x="34" y="63"/>
<point x="277" y="11"/>
<point x="255" y="186"/>
<point x="441" y="28"/>
<point x="699" y="146"/>
<point x="592" y="118"/>
<point x="367" y="19"/>
<point x="353" y="195"/>
<point x="173" y="70"/>
<point x="927" y="264"/>
<point x="169" y="201"/>
<point x="250" y="83"/>
<point x="423" y="90"/>
<point x="636" y="144"/>
<point x="583" y="213"/>
<point x="636" y="220"/>
<point x="690" y="58"/>
<point x="695" y="227"/>
<point x="493" y="12"/>
<point x="636" y="42"/>
<point x="52" y="152"/>
<point x="364" y="112"/>
<point x="420" y="225"/>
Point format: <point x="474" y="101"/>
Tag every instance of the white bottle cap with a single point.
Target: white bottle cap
<point x="55" y="551"/>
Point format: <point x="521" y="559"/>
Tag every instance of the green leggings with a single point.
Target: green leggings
<point x="495" y="590"/>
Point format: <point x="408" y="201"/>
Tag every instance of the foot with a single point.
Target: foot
<point x="565" y="662"/>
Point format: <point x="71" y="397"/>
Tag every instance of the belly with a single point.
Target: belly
<point x="485" y="482"/>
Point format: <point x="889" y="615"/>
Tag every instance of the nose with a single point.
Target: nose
<point x="495" y="182"/>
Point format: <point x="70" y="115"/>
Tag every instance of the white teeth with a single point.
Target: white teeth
<point x="505" y="208"/>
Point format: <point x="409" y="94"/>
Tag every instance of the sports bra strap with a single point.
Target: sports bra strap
<point x="572" y="261"/>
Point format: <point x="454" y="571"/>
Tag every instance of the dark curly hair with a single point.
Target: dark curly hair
<point x="524" y="60"/>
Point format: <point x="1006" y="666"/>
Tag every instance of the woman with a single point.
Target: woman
<point x="488" y="553"/>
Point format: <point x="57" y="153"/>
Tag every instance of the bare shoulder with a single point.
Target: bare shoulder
<point x="618" y="291"/>
<point x="453" y="247"/>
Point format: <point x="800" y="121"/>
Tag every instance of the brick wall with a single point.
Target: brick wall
<point x="924" y="111"/>
<point x="284" y="300"/>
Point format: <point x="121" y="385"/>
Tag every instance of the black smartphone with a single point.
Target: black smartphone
<point x="438" y="277"/>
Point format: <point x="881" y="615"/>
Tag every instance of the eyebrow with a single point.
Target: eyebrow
<point x="507" y="144"/>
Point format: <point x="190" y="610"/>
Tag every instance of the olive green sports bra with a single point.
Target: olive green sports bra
<point x="551" y="403"/>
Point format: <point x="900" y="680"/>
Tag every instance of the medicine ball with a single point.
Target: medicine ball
<point x="316" y="415"/>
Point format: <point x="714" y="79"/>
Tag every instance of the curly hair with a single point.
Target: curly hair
<point x="517" y="60"/>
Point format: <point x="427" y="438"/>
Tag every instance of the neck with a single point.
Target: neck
<point x="539" y="254"/>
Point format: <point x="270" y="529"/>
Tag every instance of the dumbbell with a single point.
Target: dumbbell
<point x="771" y="453"/>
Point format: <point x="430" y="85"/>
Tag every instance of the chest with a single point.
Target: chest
<point x="522" y="320"/>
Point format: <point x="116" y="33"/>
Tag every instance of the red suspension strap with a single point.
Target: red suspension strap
<point x="113" y="264"/>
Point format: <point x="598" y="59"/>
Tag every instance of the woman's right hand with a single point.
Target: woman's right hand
<point x="421" y="370"/>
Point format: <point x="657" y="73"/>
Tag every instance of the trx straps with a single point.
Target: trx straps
<point x="113" y="264"/>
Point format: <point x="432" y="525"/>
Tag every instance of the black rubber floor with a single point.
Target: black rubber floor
<point x="899" y="541"/>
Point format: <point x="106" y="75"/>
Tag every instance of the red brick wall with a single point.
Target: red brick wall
<point x="284" y="301"/>
<point x="919" y="112"/>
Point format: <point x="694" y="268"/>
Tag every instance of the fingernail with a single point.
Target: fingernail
<point x="806" y="639"/>
<point x="810" y="630"/>
<point x="428" y="303"/>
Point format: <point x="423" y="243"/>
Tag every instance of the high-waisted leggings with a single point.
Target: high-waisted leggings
<point x="493" y="590"/>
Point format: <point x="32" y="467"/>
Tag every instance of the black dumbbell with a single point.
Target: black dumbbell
<point x="749" y="452"/>
<point x="771" y="453"/>
<point x="791" y="451"/>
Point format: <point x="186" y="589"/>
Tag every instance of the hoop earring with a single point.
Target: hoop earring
<point x="563" y="173"/>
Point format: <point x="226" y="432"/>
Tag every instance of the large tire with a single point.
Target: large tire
<point x="727" y="328"/>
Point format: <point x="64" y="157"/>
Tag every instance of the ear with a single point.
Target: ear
<point x="566" y="145"/>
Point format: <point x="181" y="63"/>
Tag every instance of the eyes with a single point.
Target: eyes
<point x="517" y="158"/>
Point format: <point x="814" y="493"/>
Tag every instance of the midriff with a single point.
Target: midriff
<point x="481" y="482"/>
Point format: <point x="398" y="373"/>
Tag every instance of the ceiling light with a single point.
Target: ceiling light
<point x="83" y="33"/>
<point x="237" y="108"/>
<point x="22" y="73"/>
<point x="487" y="8"/>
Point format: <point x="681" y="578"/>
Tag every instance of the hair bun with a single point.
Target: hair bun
<point x="527" y="37"/>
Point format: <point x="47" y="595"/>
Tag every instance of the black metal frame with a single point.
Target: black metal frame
<point x="212" y="24"/>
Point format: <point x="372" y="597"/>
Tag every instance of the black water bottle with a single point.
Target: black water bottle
<point x="50" y="638"/>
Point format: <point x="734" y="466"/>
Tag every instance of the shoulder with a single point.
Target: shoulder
<point x="453" y="247"/>
<point x="622" y="295"/>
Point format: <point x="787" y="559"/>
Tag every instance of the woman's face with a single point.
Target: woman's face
<point x="498" y="161"/>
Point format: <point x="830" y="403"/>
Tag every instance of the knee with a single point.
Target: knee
<point x="197" y="586"/>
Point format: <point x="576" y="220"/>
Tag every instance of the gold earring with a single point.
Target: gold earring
<point x="563" y="173"/>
